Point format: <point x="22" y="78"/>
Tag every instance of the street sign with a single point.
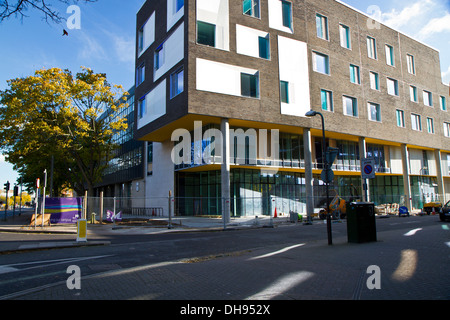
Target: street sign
<point x="327" y="175"/>
<point x="331" y="155"/>
<point x="368" y="168"/>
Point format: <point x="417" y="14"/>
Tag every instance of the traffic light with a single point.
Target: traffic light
<point x="7" y="186"/>
<point x="16" y="191"/>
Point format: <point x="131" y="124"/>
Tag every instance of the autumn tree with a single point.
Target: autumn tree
<point x="54" y="114"/>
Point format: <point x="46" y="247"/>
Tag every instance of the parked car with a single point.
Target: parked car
<point x="444" y="214"/>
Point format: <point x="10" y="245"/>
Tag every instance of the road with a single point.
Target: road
<point x="23" y="274"/>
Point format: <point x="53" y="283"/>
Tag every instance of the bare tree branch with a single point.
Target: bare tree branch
<point x="19" y="8"/>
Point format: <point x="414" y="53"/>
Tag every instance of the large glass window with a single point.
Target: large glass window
<point x="371" y="48"/>
<point x="206" y="33"/>
<point x="374" y="81"/>
<point x="350" y="106"/>
<point x="416" y="122"/>
<point x="345" y="36"/>
<point x="427" y="98"/>
<point x="251" y="8"/>
<point x="400" y="118"/>
<point x="354" y="74"/>
<point x="392" y="86"/>
<point x="390" y="55"/>
<point x="264" y="47"/>
<point x="326" y="98"/>
<point x="140" y="74"/>
<point x="374" y="112"/>
<point x="322" y="26"/>
<point x="443" y="103"/>
<point x="176" y="82"/>
<point x="250" y="85"/>
<point x="284" y="91"/>
<point x="321" y="63"/>
<point x="159" y="57"/>
<point x="411" y="64"/>
<point x="287" y="13"/>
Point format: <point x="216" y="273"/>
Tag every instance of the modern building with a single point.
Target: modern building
<point x="236" y="78"/>
<point x="124" y="176"/>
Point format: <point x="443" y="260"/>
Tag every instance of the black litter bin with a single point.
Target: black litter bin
<point x="361" y="225"/>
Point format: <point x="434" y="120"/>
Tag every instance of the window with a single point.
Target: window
<point x="326" y="98"/>
<point x="206" y="33"/>
<point x="350" y="106"/>
<point x="354" y="74"/>
<point x="178" y="5"/>
<point x="374" y="81"/>
<point x="264" y="47"/>
<point x="413" y="94"/>
<point x="443" y="103"/>
<point x="251" y="8"/>
<point x="176" y="82"/>
<point x="430" y="125"/>
<point x="321" y="63"/>
<point x="374" y="112"/>
<point x="249" y="85"/>
<point x="142" y="110"/>
<point x="140" y="74"/>
<point x="392" y="86"/>
<point x="284" y="91"/>
<point x="416" y="122"/>
<point x="410" y="63"/>
<point x="141" y="39"/>
<point x="447" y="131"/>
<point x="345" y="36"/>
<point x="371" y="48"/>
<point x="287" y="13"/>
<point x="159" y="57"/>
<point x="427" y="98"/>
<point x="322" y="26"/>
<point x="400" y="118"/>
<point x="390" y="55"/>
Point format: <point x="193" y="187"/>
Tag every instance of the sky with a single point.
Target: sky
<point x="105" y="41"/>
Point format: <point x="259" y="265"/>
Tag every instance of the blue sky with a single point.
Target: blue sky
<point x="106" y="39"/>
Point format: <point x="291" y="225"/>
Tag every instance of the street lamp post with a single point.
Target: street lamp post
<point x="312" y="113"/>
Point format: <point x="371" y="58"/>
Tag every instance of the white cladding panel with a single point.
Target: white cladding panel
<point x="294" y="68"/>
<point x="220" y="77"/>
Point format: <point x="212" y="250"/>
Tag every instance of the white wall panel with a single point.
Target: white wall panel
<point x="220" y="77"/>
<point x="216" y="12"/>
<point x="247" y="40"/>
<point x="155" y="102"/>
<point x="173" y="51"/>
<point x="172" y="16"/>
<point x="294" y="68"/>
<point x="149" y="33"/>
<point x="276" y="16"/>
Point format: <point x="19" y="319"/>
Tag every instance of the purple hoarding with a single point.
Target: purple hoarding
<point x="63" y="210"/>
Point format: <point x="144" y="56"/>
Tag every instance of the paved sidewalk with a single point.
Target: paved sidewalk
<point x="135" y="225"/>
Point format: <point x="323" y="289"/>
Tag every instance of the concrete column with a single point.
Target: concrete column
<point x="365" y="190"/>
<point x="308" y="174"/>
<point x="406" y="179"/>
<point x="440" y="176"/>
<point x="225" y="170"/>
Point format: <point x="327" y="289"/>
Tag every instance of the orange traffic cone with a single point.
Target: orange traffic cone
<point x="275" y="214"/>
